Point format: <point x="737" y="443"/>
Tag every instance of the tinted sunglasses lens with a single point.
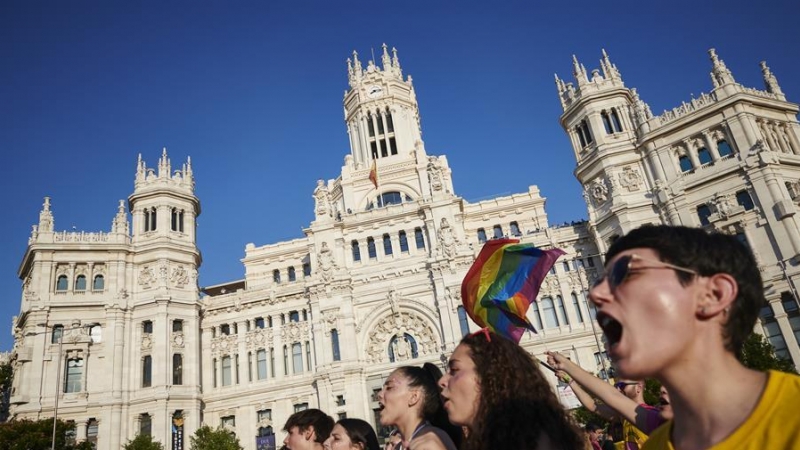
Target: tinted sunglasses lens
<point x="619" y="385"/>
<point x="619" y="271"/>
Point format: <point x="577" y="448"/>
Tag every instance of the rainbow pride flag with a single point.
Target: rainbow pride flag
<point x="503" y="282"/>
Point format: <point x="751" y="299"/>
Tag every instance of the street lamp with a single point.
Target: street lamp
<point x="782" y="264"/>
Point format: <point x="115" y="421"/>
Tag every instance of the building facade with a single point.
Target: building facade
<point x="115" y="335"/>
<point x="728" y="160"/>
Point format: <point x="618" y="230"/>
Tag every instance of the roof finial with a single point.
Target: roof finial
<point x="385" y="59"/>
<point x="770" y="82"/>
<point x="579" y="71"/>
<point x="720" y="74"/>
<point x="609" y="70"/>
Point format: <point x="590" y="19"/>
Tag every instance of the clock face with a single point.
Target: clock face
<point x="374" y="91"/>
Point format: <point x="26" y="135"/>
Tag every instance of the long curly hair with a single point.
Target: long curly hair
<point x="516" y="402"/>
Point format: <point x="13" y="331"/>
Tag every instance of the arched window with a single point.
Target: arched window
<point x="62" y="284"/>
<point x="537" y="318"/>
<point x="388" y="198"/>
<point x="498" y="231"/>
<point x="607" y="122"/>
<point x="515" y="229"/>
<point x="292" y="276"/>
<point x="402" y="348"/>
<point x="562" y="309"/>
<point x="704" y="156"/>
<point x="99" y="283"/>
<point x="419" y="238"/>
<point x="685" y="163"/>
<point x="371" y="248"/>
<point x="703" y="213"/>
<point x="147" y="219"/>
<point x="724" y="148"/>
<point x="615" y="121"/>
<point x="276" y="276"/>
<point x="356" y="251"/>
<point x="577" y="306"/>
<point x="403" y="242"/>
<point x="150" y="219"/>
<point x="80" y="283"/>
<point x="549" y="310"/>
<point x="481" y="235"/>
<point x="463" y="321"/>
<point x="387" y="245"/>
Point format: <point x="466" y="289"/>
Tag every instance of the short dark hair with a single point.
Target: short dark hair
<point x="707" y="253"/>
<point x="303" y="420"/>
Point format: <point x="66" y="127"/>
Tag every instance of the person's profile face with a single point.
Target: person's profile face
<point x="395" y="399"/>
<point x="461" y="388"/>
<point x="298" y="440"/>
<point x="339" y="440"/>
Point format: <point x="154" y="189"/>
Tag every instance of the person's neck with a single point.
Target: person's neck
<point x="710" y="399"/>
<point x="408" y="425"/>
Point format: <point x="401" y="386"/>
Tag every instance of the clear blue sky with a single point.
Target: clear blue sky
<point x="252" y="91"/>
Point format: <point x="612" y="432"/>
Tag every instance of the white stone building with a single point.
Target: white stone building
<point x="727" y="160"/>
<point x="115" y="334"/>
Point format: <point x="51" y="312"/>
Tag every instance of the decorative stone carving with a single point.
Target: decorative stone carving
<point x="398" y="325"/>
<point x="630" y="178"/>
<point x="295" y="331"/>
<point x="447" y="240"/>
<point x="326" y="263"/>
<point x="178" y="340"/>
<point x="598" y="190"/>
<point x="394" y="299"/>
<point x="723" y="204"/>
<point x="179" y="277"/>
<point x="147" y="277"/>
<point x="435" y="174"/>
<point x="322" y="200"/>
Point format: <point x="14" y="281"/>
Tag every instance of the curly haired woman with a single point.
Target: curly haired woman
<point x="495" y="389"/>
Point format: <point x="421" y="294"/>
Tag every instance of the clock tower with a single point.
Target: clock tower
<point x="381" y="110"/>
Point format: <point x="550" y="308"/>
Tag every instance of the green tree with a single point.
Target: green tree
<point x="207" y="438"/>
<point x="37" y="435"/>
<point x="143" y="442"/>
<point x="6" y="376"/>
<point x="757" y="353"/>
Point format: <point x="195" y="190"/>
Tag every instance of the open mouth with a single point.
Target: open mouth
<point x="611" y="328"/>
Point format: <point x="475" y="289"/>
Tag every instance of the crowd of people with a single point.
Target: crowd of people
<point x="675" y="305"/>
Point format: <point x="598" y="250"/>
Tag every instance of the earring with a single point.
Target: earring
<point x="703" y="311"/>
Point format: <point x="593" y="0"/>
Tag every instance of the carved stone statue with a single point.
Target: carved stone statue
<point x="322" y="199"/>
<point x="447" y="239"/>
<point x="723" y="204"/>
<point x="435" y="174"/>
<point x="326" y="263"/>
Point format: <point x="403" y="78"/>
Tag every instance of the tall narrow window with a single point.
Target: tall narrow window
<point x="403" y="242"/>
<point x="91" y="432"/>
<point x="703" y="213"/>
<point x="337" y="356"/>
<point x="227" y="379"/>
<point x="515" y="229"/>
<point x="723" y="148"/>
<point x="615" y="121"/>
<point x="147" y="327"/>
<point x="463" y="321"/>
<point x="743" y="198"/>
<point x="371" y="248"/>
<point x="292" y="275"/>
<point x="214" y="370"/>
<point x="308" y="356"/>
<point x="577" y="306"/>
<point x="147" y="219"/>
<point x="147" y="371"/>
<point x="153" y="219"/>
<point x="387" y="245"/>
<point x="356" y="251"/>
<point x="272" y="362"/>
<point x="145" y="425"/>
<point x="481" y="235"/>
<point x="80" y="283"/>
<point x="498" y="231"/>
<point x="62" y="284"/>
<point x="792" y="310"/>
<point x="261" y="364"/>
<point x="419" y="238"/>
<point x="285" y="360"/>
<point x="259" y="322"/>
<point x="685" y="163"/>
<point x="297" y="358"/>
<point x="99" y="283"/>
<point x="562" y="309"/>
<point x="73" y="379"/>
<point x="294" y="316"/>
<point x="550" y="317"/>
<point x="174" y="219"/>
<point x="58" y="332"/>
<point x="276" y="276"/>
<point x="606" y="122"/>
<point x="773" y="332"/>
<point x="704" y="156"/>
<point x="582" y="139"/>
<point x="177" y="369"/>
<point x="565" y="265"/>
<point x="306" y="270"/>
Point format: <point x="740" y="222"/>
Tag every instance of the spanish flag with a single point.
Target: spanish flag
<point x="373" y="172"/>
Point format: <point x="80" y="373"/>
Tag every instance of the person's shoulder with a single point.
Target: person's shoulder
<point x="432" y="438"/>
<point x="659" y="439"/>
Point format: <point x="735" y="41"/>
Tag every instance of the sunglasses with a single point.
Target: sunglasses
<point x="622" y="267"/>
<point x="621" y="385"/>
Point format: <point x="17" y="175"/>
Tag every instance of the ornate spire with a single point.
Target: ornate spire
<point x="164" y="168"/>
<point x="579" y="71"/>
<point x="385" y="59"/>
<point x="120" y="223"/>
<point x="46" y="222"/>
<point x="610" y="71"/>
<point x="770" y="82"/>
<point x="719" y="73"/>
<point x="396" y="63"/>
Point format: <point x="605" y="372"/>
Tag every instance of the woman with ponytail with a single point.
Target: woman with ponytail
<point x="410" y="402"/>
